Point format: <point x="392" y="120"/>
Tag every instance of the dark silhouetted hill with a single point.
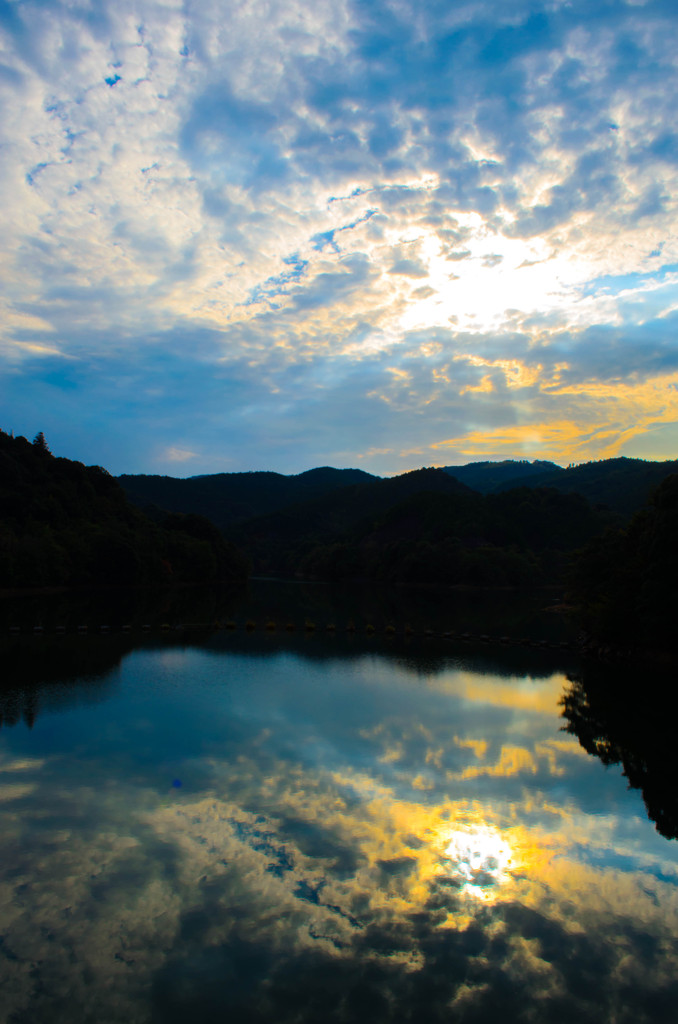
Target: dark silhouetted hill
<point x="424" y="527"/>
<point x="228" y="498"/>
<point x="625" y="584"/>
<point x="489" y="476"/>
<point x="623" y="485"/>
<point x="63" y="523"/>
<point x="281" y="541"/>
<point x="495" y="523"/>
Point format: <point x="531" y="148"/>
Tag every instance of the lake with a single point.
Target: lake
<point x="334" y="827"/>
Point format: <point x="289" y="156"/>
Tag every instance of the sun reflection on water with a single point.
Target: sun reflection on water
<point x="478" y="858"/>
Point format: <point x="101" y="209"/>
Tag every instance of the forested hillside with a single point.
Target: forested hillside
<point x="625" y="585"/>
<point x="63" y="523"/>
<point x="490" y="476"/>
<point x="425" y="527"/>
<point x="283" y="540"/>
<point x="623" y="485"/>
<point x="228" y="498"/>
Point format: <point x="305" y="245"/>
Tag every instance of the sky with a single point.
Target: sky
<point x="276" y="235"/>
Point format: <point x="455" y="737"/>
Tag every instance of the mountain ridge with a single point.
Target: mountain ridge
<point x="621" y="484"/>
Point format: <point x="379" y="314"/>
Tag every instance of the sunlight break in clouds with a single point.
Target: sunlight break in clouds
<point x="479" y="858"/>
<point x="231" y="223"/>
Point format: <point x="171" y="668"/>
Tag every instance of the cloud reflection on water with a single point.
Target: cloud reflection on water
<point x="300" y="874"/>
<point x="480" y="857"/>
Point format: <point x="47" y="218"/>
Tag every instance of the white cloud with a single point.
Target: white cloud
<point x="179" y="455"/>
<point x="314" y="190"/>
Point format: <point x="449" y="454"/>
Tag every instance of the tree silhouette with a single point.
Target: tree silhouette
<point x="65" y="524"/>
<point x="623" y="715"/>
<point x="40" y="443"/>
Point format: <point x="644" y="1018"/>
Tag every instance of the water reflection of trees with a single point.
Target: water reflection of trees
<point x="420" y="655"/>
<point x="624" y="715"/>
<point x="44" y="674"/>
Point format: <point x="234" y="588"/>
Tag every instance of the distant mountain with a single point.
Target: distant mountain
<point x="502" y="523"/>
<point x="623" y="485"/>
<point x="230" y="498"/>
<point x="494" y="523"/>
<point x="423" y="527"/>
<point x="524" y="537"/>
<point x="278" y="541"/>
<point x="489" y="476"/>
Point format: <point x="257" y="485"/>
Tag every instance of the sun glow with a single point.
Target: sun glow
<point x="491" y="282"/>
<point x="478" y="858"/>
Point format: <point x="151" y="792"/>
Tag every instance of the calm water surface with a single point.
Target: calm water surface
<point x="308" y="828"/>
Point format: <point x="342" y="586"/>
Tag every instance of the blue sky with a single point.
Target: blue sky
<point x="279" y="235"/>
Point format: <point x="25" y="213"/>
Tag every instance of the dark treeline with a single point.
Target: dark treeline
<point x="494" y="476"/>
<point x="65" y="524"/>
<point x="230" y="498"/>
<point x="67" y="671"/>
<point x="623" y="723"/>
<point x="491" y="524"/>
<point x="62" y="523"/>
<point x="425" y="527"/>
<point x="625" y="585"/>
<point x="622" y="485"/>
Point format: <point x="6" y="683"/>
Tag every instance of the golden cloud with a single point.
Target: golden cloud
<point x="512" y="761"/>
<point x="601" y="419"/>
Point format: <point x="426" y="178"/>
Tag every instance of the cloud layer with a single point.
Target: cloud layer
<point x="273" y="236"/>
